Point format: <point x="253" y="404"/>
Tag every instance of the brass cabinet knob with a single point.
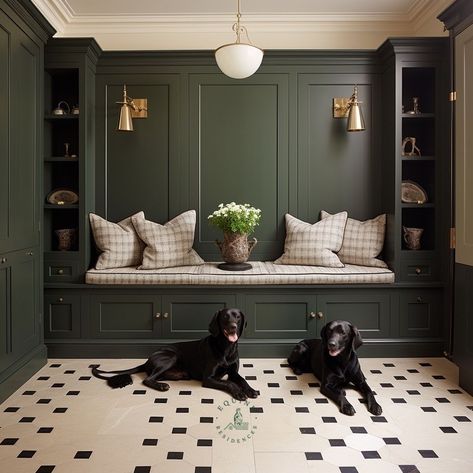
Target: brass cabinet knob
<point x="158" y="315"/>
<point x="30" y="253"/>
<point x="418" y="270"/>
<point x="165" y="315"/>
<point x="60" y="271"/>
<point x="3" y="260"/>
<point x="60" y="299"/>
<point x="419" y="299"/>
<point x="312" y="315"/>
<point x="320" y="315"/>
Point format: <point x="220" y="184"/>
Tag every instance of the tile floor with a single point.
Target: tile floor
<point x="65" y="421"/>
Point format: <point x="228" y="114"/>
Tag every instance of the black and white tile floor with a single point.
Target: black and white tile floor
<point x="65" y="421"/>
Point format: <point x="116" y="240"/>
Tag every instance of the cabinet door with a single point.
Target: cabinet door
<point x="188" y="316"/>
<point x="281" y="316"/>
<point x="125" y="316"/>
<point x="5" y="342"/>
<point x="61" y="315"/>
<point x="420" y="313"/>
<point x="369" y="312"/>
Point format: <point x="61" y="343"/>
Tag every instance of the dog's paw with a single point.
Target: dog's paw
<point x="347" y="409"/>
<point x="252" y="393"/>
<point x="375" y="409"/>
<point x="240" y="395"/>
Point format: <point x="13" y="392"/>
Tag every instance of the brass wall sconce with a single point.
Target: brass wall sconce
<point x="344" y="107"/>
<point x="131" y="108"/>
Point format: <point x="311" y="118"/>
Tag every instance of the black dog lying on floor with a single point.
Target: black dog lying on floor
<point x="208" y="359"/>
<point x="334" y="362"/>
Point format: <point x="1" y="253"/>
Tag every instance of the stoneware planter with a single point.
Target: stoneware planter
<point x="412" y="237"/>
<point x="66" y="238"/>
<point x="236" y="249"/>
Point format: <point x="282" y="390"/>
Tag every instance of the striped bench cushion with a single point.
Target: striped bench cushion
<point x="263" y="272"/>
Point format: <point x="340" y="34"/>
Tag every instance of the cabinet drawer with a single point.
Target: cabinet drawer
<point x="125" y="316"/>
<point x="188" y="316"/>
<point x="61" y="316"/>
<point x="60" y="271"/>
<point x="419" y="271"/>
<point x="281" y="316"/>
<point x="420" y="313"/>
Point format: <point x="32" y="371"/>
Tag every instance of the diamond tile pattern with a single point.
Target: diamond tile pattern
<point x="65" y="421"/>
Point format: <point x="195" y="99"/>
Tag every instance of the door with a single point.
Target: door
<point x="463" y="322"/>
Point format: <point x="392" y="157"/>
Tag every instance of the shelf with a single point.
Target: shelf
<point x="61" y="117"/>
<point x="417" y="158"/>
<point x="428" y="205"/>
<point x="61" y="207"/>
<point x="418" y="115"/>
<point x="60" y="159"/>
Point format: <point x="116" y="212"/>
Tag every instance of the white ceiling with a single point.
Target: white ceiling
<point x="272" y="24"/>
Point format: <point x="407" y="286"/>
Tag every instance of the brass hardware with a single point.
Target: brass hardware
<point x="60" y="271"/>
<point x="30" y="253"/>
<point x="131" y="108"/>
<point x="141" y="110"/>
<point x="349" y="107"/>
<point x="320" y="315"/>
<point x="60" y="299"/>
<point x="340" y="107"/>
<point x="3" y="260"/>
<point x="453" y="238"/>
<point x="158" y="315"/>
<point x="418" y="270"/>
<point x="419" y="299"/>
<point x="165" y="315"/>
<point x="312" y="315"/>
<point x="452" y="96"/>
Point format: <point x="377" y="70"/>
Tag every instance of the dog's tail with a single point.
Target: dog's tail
<point x="120" y="378"/>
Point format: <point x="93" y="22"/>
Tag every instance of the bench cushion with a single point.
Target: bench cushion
<point x="263" y="272"/>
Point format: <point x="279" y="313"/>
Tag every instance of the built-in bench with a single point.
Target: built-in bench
<point x="262" y="273"/>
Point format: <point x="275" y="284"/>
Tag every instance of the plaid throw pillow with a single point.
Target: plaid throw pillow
<point x="363" y="241"/>
<point x="118" y="242"/>
<point x="314" y="244"/>
<point x="169" y="244"/>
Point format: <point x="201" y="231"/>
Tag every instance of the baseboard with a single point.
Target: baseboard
<point x="399" y="348"/>
<point x="21" y="371"/>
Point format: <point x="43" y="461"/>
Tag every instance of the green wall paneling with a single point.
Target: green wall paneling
<point x="188" y="316"/>
<point x="134" y="169"/>
<point x="239" y="137"/>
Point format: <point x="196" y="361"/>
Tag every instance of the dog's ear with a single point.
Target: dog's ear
<point x="243" y="323"/>
<point x="214" y="326"/>
<point x="323" y="334"/>
<point x="357" y="341"/>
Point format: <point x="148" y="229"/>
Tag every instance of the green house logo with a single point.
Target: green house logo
<point x="235" y="423"/>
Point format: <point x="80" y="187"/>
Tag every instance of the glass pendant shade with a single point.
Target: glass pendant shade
<point x="355" y="120"/>
<point x="238" y="60"/>
<point x="125" y="122"/>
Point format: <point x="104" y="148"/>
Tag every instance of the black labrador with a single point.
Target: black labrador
<point x="208" y="359"/>
<point x="334" y="362"/>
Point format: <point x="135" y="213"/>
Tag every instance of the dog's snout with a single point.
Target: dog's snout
<point x="331" y="343"/>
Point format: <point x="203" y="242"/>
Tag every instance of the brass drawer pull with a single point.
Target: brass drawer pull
<point x="165" y="315"/>
<point x="3" y="260"/>
<point x="60" y="299"/>
<point x="158" y="315"/>
<point x="320" y="315"/>
<point x="418" y="270"/>
<point x="30" y="253"/>
<point x="419" y="299"/>
<point x="60" y="271"/>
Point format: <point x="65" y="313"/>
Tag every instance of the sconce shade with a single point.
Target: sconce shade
<point x="355" y="120"/>
<point x="125" y="123"/>
<point x="238" y="60"/>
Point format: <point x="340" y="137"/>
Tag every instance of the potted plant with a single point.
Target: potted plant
<point x="237" y="221"/>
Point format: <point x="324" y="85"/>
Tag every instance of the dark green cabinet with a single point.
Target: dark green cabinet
<point x="62" y="315"/>
<point x="281" y="315"/>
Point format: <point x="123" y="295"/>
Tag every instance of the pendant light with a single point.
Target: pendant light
<point x="239" y="60"/>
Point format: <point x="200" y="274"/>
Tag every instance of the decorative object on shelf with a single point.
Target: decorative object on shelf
<point x="66" y="238"/>
<point x="66" y="152"/>
<point x="60" y="110"/>
<point x="237" y="221"/>
<point x="62" y="197"/>
<point x="414" y="149"/>
<point x="412" y="236"/>
<point x="131" y="108"/>
<point x="413" y="193"/>
<point x="75" y="110"/>
<point x="344" y="107"/>
<point x="415" y="106"/>
<point x="239" y="60"/>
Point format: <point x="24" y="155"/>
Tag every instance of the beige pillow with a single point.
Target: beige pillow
<point x="363" y="241"/>
<point x="118" y="242"/>
<point x="170" y="244"/>
<point x="314" y="244"/>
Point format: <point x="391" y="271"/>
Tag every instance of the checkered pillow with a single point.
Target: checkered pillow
<point x="363" y="241"/>
<point x="169" y="244"/>
<point x="314" y="244"/>
<point x="118" y="242"/>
